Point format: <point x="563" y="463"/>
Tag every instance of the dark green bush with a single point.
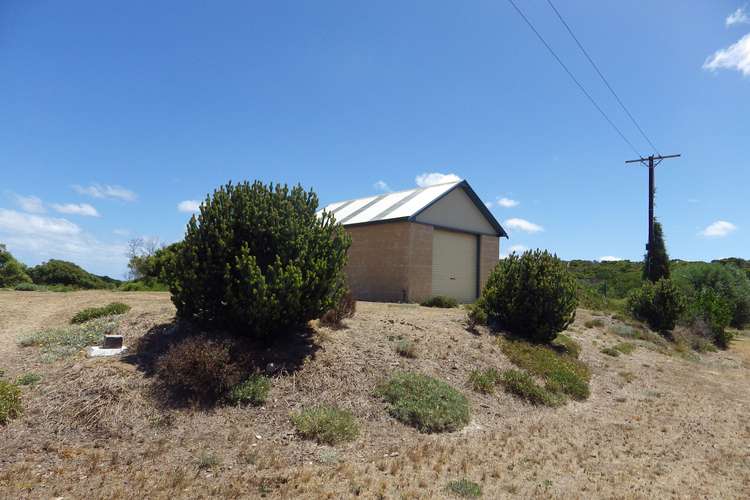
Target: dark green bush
<point x="440" y="301"/>
<point x="532" y="296"/>
<point x="476" y="314"/>
<point x="258" y="261"/>
<point x="28" y="287"/>
<point x="728" y="281"/>
<point x="198" y="368"/>
<point x="656" y="260"/>
<point x="253" y="391"/>
<point x="326" y="424"/>
<point x="97" y="312"/>
<point x="524" y="386"/>
<point x="10" y="401"/>
<point x="426" y="403"/>
<point x="60" y="272"/>
<point x="711" y="308"/>
<point x="659" y="304"/>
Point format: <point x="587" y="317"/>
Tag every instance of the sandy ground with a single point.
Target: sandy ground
<point x="656" y="425"/>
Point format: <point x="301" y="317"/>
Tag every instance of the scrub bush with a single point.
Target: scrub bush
<point x="440" y="301"/>
<point x="254" y="390"/>
<point x="345" y="308"/>
<point x="97" y="312"/>
<point x="728" y="281"/>
<point x="524" y="386"/>
<point x="710" y="309"/>
<point x="10" y="401"/>
<point x="60" y="272"/>
<point x="326" y="425"/>
<point x="659" y="304"/>
<point x="258" y="261"/>
<point x="532" y="296"/>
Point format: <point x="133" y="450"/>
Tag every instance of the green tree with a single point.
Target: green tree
<point x="12" y="272"/>
<point x="258" y="261"/>
<point x="656" y="260"/>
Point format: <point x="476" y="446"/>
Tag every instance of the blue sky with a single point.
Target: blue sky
<point x="114" y="116"/>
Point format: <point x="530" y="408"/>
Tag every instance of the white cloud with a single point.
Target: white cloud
<point x="507" y="202"/>
<point x="121" y="232"/>
<point x="76" y="209"/>
<point x="31" y="204"/>
<point x="382" y="186"/>
<point x="433" y="178"/>
<point x="523" y="225"/>
<point x="739" y="16"/>
<point x="107" y="191"/>
<point x="518" y="249"/>
<point x="736" y="56"/>
<point x="718" y="229"/>
<point x="34" y="238"/>
<point x="609" y="258"/>
<point x="189" y="206"/>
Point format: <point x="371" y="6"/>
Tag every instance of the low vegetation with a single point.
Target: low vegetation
<point x="58" y="343"/>
<point x="465" y="488"/>
<point x="440" y="301"/>
<point x="566" y="345"/>
<point x="90" y="313"/>
<point x="345" y="307"/>
<point x="253" y="390"/>
<point x="531" y="296"/>
<point x="428" y="404"/>
<point x="10" y="401"/>
<point x="484" y="381"/>
<point x="659" y="304"/>
<point x="12" y="272"/>
<point x="524" y="386"/>
<point x="60" y="272"/>
<point x="406" y="348"/>
<point x="594" y="323"/>
<point x="326" y="425"/>
<point x="28" y="379"/>
<point x="562" y="373"/>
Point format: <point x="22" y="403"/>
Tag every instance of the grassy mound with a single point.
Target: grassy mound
<point x="90" y="313"/>
<point x="524" y="386"/>
<point x="484" y="381"/>
<point x="326" y="425"/>
<point x="254" y="391"/>
<point x="423" y="402"/>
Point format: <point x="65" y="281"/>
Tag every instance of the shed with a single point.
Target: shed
<point x="410" y="245"/>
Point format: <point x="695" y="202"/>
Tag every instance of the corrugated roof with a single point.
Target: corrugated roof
<point x="401" y="205"/>
<point x="398" y="205"/>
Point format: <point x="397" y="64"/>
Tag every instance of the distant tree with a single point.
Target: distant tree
<point x="60" y="272"/>
<point x="12" y="272"/>
<point x="656" y="260"/>
<point x="140" y="251"/>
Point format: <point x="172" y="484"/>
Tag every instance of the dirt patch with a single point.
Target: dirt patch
<point x="656" y="424"/>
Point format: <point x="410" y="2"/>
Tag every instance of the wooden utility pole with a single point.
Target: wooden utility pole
<point x="651" y="162"/>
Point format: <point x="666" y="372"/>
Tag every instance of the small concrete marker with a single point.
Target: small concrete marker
<point x="112" y="346"/>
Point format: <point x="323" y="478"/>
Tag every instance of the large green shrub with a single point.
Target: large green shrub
<point x="727" y="280"/>
<point x="659" y="304"/>
<point x="713" y="310"/>
<point x="60" y="272"/>
<point x="257" y="260"/>
<point x="12" y="272"/>
<point x="532" y="295"/>
<point x="656" y="260"/>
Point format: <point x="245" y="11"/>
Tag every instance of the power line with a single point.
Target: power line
<point x="585" y="53"/>
<point x="570" y="74"/>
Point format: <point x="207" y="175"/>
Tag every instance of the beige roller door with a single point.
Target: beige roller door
<point x="454" y="265"/>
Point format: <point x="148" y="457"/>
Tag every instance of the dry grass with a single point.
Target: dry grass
<point x="676" y="430"/>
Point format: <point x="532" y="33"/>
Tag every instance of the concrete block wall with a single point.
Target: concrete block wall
<point x="420" y="262"/>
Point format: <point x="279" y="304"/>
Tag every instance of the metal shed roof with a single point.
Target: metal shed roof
<point x="402" y="205"/>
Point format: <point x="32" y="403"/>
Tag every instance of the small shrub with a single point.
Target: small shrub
<point x="258" y="261"/>
<point x="465" y="488"/>
<point x="326" y="425"/>
<point x="28" y="287"/>
<point x="524" y="386"/>
<point x="406" y="348"/>
<point x="659" y="304"/>
<point x="710" y="309"/>
<point x="28" y="379"/>
<point x="207" y="460"/>
<point x="58" y="343"/>
<point x="97" y="312"/>
<point x="611" y="351"/>
<point x="199" y="368"/>
<point x="532" y="296"/>
<point x="566" y="345"/>
<point x="440" y="301"/>
<point x="345" y="308"/>
<point x="254" y="390"/>
<point x="426" y="403"/>
<point x="562" y="373"/>
<point x="10" y="401"/>
<point x="594" y="323"/>
<point x="484" y="381"/>
<point x="476" y="314"/>
<point x="625" y="347"/>
<point x="697" y="337"/>
<point x="628" y="377"/>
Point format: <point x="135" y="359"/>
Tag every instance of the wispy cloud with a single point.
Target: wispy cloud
<point x="189" y="206"/>
<point x="718" y="229"/>
<point x="507" y="202"/>
<point x="523" y="225"/>
<point x="76" y="209"/>
<point x="12" y="221"/>
<point x="31" y="204"/>
<point x="121" y="232"/>
<point x="433" y="178"/>
<point x="609" y="258"/>
<point x="382" y="186"/>
<point x="736" y="57"/>
<point x="739" y="16"/>
<point x="106" y="191"/>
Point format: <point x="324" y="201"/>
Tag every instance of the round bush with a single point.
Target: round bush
<point x="659" y="304"/>
<point x="532" y="296"/>
<point x="258" y="261"/>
